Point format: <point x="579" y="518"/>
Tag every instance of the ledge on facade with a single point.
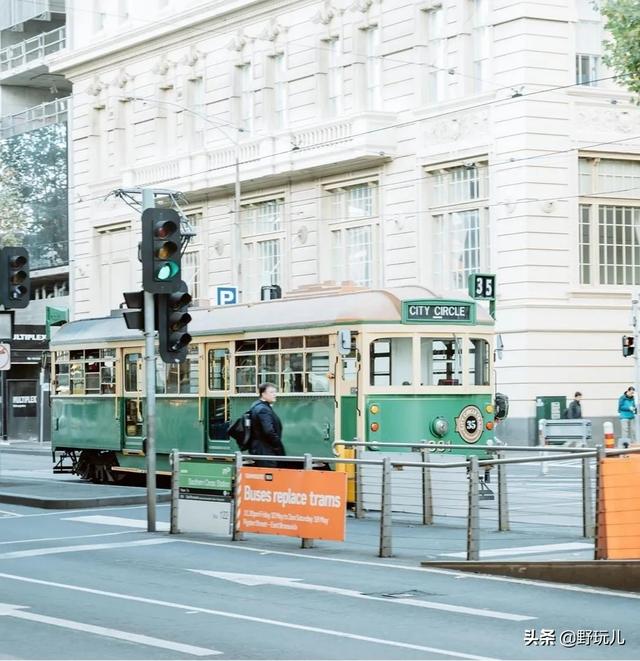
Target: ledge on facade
<point x="357" y="141"/>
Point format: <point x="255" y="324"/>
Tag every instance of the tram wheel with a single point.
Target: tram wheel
<point x="96" y="466"/>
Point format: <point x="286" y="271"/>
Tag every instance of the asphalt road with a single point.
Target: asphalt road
<point x="94" y="585"/>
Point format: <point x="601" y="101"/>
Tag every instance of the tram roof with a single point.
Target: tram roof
<point x="317" y="309"/>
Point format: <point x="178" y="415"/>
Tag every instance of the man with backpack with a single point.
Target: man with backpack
<point x="266" y="428"/>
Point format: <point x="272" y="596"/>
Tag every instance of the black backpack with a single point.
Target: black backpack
<point x="240" y="431"/>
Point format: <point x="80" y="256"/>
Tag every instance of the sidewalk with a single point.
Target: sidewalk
<point x="15" y="446"/>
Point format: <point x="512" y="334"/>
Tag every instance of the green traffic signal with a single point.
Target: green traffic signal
<point x="167" y="271"/>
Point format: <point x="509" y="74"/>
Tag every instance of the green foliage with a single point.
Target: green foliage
<point x="623" y="51"/>
<point x="33" y="194"/>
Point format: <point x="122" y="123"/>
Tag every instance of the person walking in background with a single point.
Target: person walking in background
<point x="266" y="428"/>
<point x="574" y="410"/>
<point x="627" y="412"/>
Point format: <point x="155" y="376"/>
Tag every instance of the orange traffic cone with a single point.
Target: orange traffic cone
<point x="609" y="438"/>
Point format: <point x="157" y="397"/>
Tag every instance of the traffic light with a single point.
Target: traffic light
<point x="15" y="282"/>
<point x="160" y="251"/>
<point x="173" y="318"/>
<point x="134" y="315"/>
<point x="628" y="345"/>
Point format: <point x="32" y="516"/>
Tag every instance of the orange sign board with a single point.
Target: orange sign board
<point x="619" y="509"/>
<point x="297" y="503"/>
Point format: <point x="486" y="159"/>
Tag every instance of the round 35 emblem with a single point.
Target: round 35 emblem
<point x="469" y="424"/>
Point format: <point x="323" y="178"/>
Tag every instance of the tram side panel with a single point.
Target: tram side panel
<point x="85" y="423"/>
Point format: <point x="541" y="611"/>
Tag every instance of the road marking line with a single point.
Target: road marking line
<point x="9" y="514"/>
<point x="117" y="508"/>
<point x="432" y="570"/>
<point x="523" y="550"/>
<point x="53" y="550"/>
<point x="8" y="610"/>
<point x="247" y="618"/>
<point x="57" y="539"/>
<point x="254" y="580"/>
<point x="101" y="519"/>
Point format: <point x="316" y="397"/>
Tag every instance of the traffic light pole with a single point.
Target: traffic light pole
<point x="148" y="202"/>
<point x="635" y="307"/>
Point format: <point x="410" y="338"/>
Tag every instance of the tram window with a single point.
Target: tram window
<point x="76" y="375"/>
<point x="131" y="372"/>
<point x="479" y="362"/>
<point x="292" y="369"/>
<point x="268" y="344"/>
<point x="441" y="361"/>
<point x="391" y="361"/>
<point x="316" y="372"/>
<point x="133" y="418"/>
<point x="189" y="373"/>
<point x="172" y="379"/>
<point x="77" y="354"/>
<point x="62" y="378"/>
<point x="317" y="341"/>
<point x="243" y="346"/>
<point x="246" y="374"/>
<point x="218" y="369"/>
<point x="268" y="368"/>
<point x="291" y="342"/>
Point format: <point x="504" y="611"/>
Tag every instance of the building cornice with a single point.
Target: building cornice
<point x="172" y="31"/>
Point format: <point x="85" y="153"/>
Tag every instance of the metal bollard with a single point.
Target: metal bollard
<point x="236" y="535"/>
<point x="385" y="510"/>
<point x="359" y="513"/>
<point x="587" y="504"/>
<point x="175" y="491"/>
<point x="427" y="494"/>
<point x="473" y="517"/>
<point x="307" y="542"/>
<point x="598" y="553"/>
<point x="503" y="501"/>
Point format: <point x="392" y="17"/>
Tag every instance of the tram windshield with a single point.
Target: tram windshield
<point x="441" y="361"/>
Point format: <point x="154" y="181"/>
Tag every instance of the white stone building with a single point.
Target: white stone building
<point x="383" y="141"/>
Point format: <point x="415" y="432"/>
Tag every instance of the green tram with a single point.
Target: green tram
<point x="381" y="365"/>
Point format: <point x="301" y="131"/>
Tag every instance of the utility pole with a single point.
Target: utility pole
<point x="635" y="312"/>
<point x="148" y="202"/>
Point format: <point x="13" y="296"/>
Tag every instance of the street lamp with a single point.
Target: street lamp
<point x="236" y="143"/>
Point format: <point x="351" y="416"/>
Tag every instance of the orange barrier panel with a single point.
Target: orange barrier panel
<point x="619" y="509"/>
<point x="297" y="503"/>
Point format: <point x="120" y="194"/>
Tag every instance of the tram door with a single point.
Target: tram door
<point x="218" y="411"/>
<point x="132" y="410"/>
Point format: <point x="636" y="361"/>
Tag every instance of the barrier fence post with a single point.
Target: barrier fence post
<point x="307" y="543"/>
<point x="587" y="503"/>
<point x="236" y="535"/>
<point x="359" y="509"/>
<point x="544" y="469"/>
<point x="175" y="490"/>
<point x="503" y="501"/>
<point x="598" y="552"/>
<point x="473" y="516"/>
<point x="385" y="510"/>
<point x="427" y="495"/>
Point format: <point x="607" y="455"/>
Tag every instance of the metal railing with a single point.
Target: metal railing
<point x="31" y="50"/>
<point x="462" y="499"/>
<point x="14" y="12"/>
<point x="32" y="118"/>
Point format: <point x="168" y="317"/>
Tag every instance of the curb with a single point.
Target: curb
<point x="32" y="451"/>
<point x="79" y="503"/>
<point x="612" y="574"/>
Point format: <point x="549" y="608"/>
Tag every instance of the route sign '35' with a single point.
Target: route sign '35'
<point x="482" y="286"/>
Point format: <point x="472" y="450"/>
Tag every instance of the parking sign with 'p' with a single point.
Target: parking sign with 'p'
<point x="226" y="295"/>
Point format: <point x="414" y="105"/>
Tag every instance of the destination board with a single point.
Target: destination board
<point x="438" y="312"/>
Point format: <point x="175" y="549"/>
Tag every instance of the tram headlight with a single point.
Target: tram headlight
<point x="374" y="426"/>
<point x="489" y="408"/>
<point x="374" y="408"/>
<point x="439" y="426"/>
<point x="489" y="425"/>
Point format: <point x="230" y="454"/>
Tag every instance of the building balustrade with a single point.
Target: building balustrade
<point x="16" y="12"/>
<point x="51" y="112"/>
<point x="362" y="140"/>
<point x="29" y="51"/>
